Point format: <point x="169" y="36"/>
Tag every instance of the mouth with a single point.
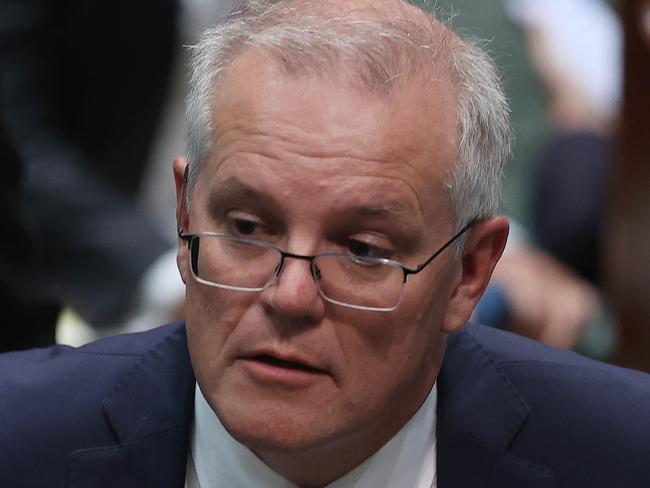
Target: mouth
<point x="284" y="363"/>
<point x="281" y="370"/>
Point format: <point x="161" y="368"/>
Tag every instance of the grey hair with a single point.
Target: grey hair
<point x="308" y="37"/>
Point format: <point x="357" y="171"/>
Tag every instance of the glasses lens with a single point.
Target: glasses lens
<point x="363" y="283"/>
<point x="227" y="261"/>
<point x="232" y="263"/>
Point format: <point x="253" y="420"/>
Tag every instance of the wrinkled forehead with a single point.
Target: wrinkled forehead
<point x="263" y="113"/>
<point x="415" y="111"/>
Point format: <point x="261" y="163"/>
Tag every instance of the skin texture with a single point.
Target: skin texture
<point x="314" y="163"/>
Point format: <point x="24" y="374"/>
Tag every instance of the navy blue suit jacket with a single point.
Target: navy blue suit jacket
<point x="511" y="413"/>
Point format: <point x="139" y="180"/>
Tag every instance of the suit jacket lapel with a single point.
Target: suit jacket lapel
<point x="150" y="410"/>
<point x="479" y="414"/>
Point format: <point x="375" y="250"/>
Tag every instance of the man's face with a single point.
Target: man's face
<point x="314" y="165"/>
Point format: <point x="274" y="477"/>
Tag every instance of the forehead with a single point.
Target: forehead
<point x="332" y="127"/>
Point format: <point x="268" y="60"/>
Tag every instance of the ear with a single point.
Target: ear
<point x="180" y="169"/>
<point x="482" y="250"/>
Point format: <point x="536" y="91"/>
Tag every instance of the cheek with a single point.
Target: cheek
<point x="212" y="319"/>
<point x="416" y="332"/>
<point x="390" y="369"/>
<point x="430" y="296"/>
<point x="389" y="354"/>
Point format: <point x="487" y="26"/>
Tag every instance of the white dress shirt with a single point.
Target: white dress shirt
<point x="217" y="460"/>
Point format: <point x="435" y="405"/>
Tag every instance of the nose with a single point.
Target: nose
<point x="295" y="294"/>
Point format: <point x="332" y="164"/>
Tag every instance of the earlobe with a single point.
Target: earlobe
<point x="482" y="250"/>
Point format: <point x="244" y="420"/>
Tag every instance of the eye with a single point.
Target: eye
<point x="245" y="227"/>
<point x="359" y="248"/>
<point x="363" y="249"/>
<point x="240" y="223"/>
<point x="247" y="224"/>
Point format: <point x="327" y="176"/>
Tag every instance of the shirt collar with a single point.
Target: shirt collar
<point x="408" y="459"/>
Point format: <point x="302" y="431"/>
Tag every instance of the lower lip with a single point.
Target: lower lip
<point x="269" y="373"/>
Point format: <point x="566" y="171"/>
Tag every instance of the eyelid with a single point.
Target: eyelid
<point x="372" y="239"/>
<point x="243" y="215"/>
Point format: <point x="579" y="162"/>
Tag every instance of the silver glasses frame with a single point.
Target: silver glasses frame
<point x="193" y="256"/>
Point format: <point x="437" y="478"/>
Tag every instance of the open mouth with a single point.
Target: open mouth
<point x="282" y="363"/>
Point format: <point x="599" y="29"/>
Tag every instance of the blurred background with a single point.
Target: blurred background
<point x="91" y="117"/>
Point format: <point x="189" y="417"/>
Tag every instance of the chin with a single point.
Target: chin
<point x="265" y="427"/>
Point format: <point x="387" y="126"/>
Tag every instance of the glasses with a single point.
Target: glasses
<point x="359" y="282"/>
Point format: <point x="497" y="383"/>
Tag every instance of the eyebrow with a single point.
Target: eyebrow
<point x="385" y="210"/>
<point x="231" y="189"/>
<point x="394" y="214"/>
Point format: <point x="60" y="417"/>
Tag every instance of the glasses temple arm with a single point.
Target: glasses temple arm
<point x="421" y="266"/>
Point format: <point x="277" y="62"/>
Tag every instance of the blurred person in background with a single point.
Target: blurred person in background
<point x="85" y="90"/>
<point x="547" y="286"/>
<point x="17" y="253"/>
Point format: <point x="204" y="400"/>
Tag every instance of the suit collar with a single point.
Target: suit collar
<point x="480" y="412"/>
<point x="150" y="411"/>
<point x="157" y="395"/>
<point x="477" y="396"/>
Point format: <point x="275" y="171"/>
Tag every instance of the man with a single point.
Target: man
<point x="336" y="230"/>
